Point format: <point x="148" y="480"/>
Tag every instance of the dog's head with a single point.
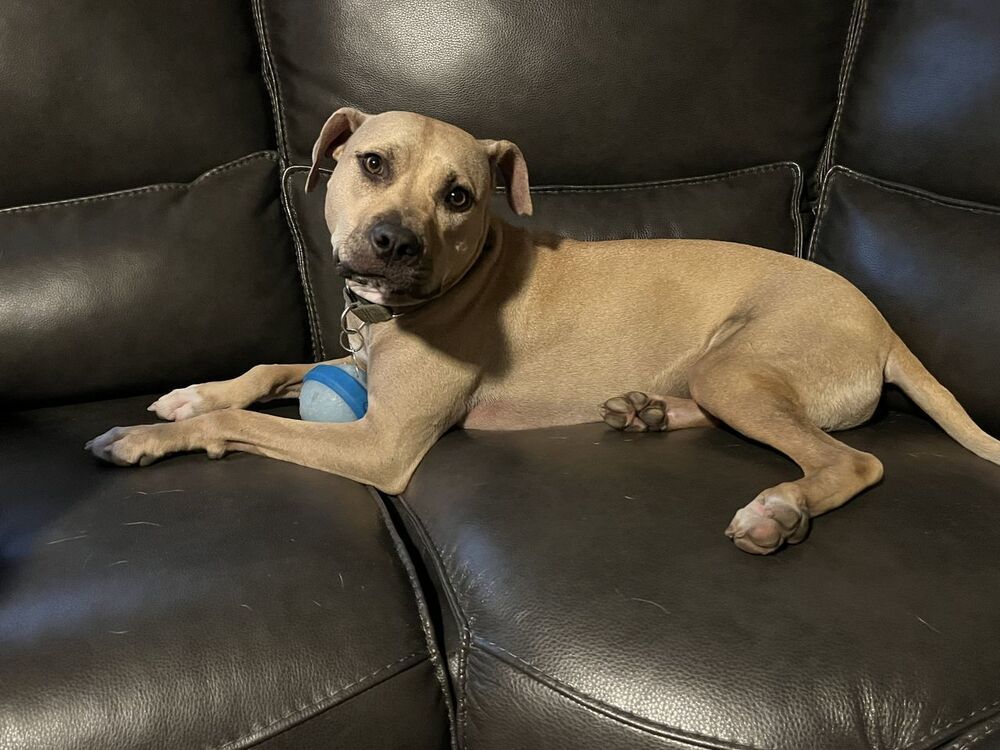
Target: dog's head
<point x="408" y="201"/>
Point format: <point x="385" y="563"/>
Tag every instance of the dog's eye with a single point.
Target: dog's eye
<point x="373" y="164"/>
<point x="458" y="199"/>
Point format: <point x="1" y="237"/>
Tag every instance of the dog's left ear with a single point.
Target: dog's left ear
<point x="337" y="129"/>
<point x="507" y="159"/>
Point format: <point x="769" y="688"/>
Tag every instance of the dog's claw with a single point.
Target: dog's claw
<point x="635" y="412"/>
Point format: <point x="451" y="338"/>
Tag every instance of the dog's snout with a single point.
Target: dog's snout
<point x="391" y="241"/>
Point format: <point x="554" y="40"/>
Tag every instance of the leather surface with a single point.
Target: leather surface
<point x="930" y="265"/>
<point x="596" y="587"/>
<point x="593" y="92"/>
<point x="412" y="697"/>
<point x="144" y="289"/>
<point x="758" y="206"/>
<point x="198" y="603"/>
<point x="108" y="96"/>
<point x="921" y="105"/>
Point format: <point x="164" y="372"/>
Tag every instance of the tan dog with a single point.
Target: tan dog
<point x="506" y="329"/>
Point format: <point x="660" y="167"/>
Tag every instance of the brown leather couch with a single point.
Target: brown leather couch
<point x="564" y="589"/>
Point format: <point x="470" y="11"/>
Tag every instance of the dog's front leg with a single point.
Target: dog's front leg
<point x="260" y="383"/>
<point x="406" y="415"/>
<point x="368" y="451"/>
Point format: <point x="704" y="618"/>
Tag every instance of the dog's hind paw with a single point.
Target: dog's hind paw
<point x="635" y="412"/>
<point x="774" y="518"/>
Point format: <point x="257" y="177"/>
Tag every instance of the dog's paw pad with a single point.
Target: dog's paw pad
<point x="635" y="412"/>
<point x="774" y="518"/>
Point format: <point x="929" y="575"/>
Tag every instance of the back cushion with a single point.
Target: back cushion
<point x="756" y="206"/>
<point x="106" y="96"/>
<point x="122" y="270"/>
<point x="921" y="105"/>
<point x="930" y="265"/>
<point x="138" y="291"/>
<point x="593" y="92"/>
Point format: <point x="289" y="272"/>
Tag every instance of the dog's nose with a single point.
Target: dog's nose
<point x="393" y="241"/>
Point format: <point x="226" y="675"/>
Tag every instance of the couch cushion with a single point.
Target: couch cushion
<point x="100" y="97"/>
<point x="758" y="206"/>
<point x="921" y="99"/>
<point x="593" y="92"/>
<point x="596" y="602"/>
<point x="142" y="289"/>
<point x="930" y="265"/>
<point x="198" y="603"/>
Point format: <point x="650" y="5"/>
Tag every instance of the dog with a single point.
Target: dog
<point x="494" y="327"/>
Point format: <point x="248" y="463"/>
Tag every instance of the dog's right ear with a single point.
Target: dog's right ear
<point x="337" y="129"/>
<point x="507" y="160"/>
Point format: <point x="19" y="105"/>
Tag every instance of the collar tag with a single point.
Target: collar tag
<point x="371" y="313"/>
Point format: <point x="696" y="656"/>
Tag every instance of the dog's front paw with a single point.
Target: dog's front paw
<point x="774" y="518"/>
<point x="128" y="446"/>
<point x="183" y="403"/>
<point x="635" y="412"/>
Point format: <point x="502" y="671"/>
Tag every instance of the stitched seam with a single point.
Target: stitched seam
<point x="422" y="608"/>
<point x="959" y="720"/>
<point x="824" y="199"/>
<point x="134" y="192"/>
<point x="270" y="76"/>
<point x="615" y="712"/>
<point x="302" y="260"/>
<point x="257" y="732"/>
<point x="463" y="704"/>
<point x="797" y="211"/>
<point x="660" y="184"/>
<point x="916" y="193"/>
<point x="974" y="739"/>
<point x="847" y="80"/>
<point x="858" y="17"/>
<point x="464" y="625"/>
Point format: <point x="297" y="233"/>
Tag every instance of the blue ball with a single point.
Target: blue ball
<point x="333" y="393"/>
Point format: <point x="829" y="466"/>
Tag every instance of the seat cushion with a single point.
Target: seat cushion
<point x="594" y="601"/>
<point x="198" y="603"/>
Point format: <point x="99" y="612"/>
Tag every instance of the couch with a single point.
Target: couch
<point x="556" y="589"/>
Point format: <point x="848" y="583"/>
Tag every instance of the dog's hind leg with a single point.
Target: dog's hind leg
<point x="639" y="412"/>
<point x="756" y="399"/>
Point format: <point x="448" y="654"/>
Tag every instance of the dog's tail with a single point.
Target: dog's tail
<point x="902" y="368"/>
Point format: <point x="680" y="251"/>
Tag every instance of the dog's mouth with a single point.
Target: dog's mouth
<point x="365" y="278"/>
<point x="381" y="287"/>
